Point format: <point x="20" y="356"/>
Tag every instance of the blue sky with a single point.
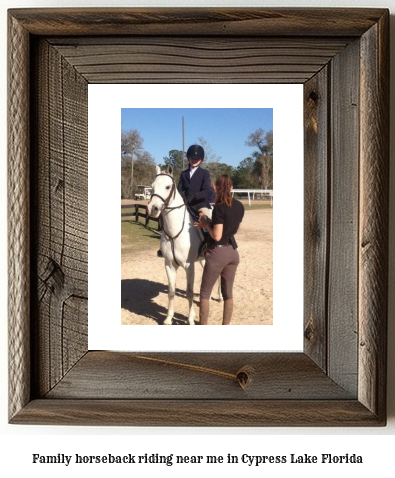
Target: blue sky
<point x="225" y="129"/>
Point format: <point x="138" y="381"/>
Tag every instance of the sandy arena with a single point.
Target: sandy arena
<point x="144" y="281"/>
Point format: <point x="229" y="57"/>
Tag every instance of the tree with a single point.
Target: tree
<point x="209" y="155"/>
<point x="175" y="160"/>
<point x="212" y="161"/>
<point x="144" y="169"/>
<point x="137" y="165"/>
<point x="131" y="144"/>
<point x="218" y="169"/>
<point x="263" y="166"/>
<point x="243" y="176"/>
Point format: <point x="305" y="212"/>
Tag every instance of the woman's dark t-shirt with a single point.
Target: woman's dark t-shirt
<point x="230" y="217"/>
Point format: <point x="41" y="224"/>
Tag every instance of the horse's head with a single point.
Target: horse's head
<point x="163" y="191"/>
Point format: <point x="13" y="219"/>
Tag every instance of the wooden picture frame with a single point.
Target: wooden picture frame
<point x="342" y="58"/>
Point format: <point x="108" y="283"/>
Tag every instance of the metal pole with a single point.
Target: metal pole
<point x="132" y="178"/>
<point x="183" y="147"/>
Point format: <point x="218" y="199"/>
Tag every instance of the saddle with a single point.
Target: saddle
<point x="203" y="245"/>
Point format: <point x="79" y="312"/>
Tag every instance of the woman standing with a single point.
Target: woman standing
<point x="222" y="257"/>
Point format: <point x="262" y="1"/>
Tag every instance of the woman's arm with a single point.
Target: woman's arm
<point x="215" y="231"/>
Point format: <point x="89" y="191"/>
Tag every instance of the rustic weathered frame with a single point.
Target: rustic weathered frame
<point x="341" y="57"/>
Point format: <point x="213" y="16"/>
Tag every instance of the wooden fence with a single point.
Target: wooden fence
<point x="140" y="211"/>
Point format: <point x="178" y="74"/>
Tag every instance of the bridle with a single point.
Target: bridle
<point x="166" y="203"/>
<point x="172" y="191"/>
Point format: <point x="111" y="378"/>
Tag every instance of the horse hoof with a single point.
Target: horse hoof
<point x="167" y="322"/>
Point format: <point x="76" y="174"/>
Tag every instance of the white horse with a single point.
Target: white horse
<point x="180" y="240"/>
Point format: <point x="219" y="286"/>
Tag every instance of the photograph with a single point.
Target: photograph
<point x="197" y="216"/>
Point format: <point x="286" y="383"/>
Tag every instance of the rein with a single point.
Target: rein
<point x="166" y="203"/>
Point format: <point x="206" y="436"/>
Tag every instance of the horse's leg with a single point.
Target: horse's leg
<point x="190" y="273"/>
<point x="171" y="272"/>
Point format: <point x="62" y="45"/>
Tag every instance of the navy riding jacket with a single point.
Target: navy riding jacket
<point x="198" y="185"/>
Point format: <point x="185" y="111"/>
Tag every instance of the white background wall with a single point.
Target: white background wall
<point x="21" y="441"/>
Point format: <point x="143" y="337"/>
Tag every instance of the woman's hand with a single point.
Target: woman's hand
<point x="203" y="223"/>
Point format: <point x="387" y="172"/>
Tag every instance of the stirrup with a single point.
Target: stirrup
<point x="159" y="253"/>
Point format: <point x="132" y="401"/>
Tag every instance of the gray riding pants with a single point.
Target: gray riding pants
<point x="220" y="261"/>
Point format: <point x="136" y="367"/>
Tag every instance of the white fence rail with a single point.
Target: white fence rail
<point x="253" y="192"/>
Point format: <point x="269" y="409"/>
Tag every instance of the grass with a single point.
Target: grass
<point x="127" y="210"/>
<point x="256" y="204"/>
<point x="135" y="237"/>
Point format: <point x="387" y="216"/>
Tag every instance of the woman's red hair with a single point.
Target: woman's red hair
<point x="223" y="187"/>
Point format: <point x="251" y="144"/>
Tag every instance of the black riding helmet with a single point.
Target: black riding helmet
<point x="196" y="152"/>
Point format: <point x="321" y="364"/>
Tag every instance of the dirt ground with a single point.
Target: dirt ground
<point x="144" y="281"/>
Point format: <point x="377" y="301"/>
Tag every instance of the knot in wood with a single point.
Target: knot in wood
<point x="313" y="96"/>
<point x="308" y="332"/>
<point x="54" y="276"/>
<point x="244" y="376"/>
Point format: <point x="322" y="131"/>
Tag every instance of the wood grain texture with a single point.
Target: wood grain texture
<point x="340" y="377"/>
<point x="19" y="218"/>
<point x="196" y="376"/>
<point x="188" y="60"/>
<point x="343" y="258"/>
<point x="61" y="207"/>
<point x="316" y="214"/>
<point x="261" y="22"/>
<point x="373" y="237"/>
<point x="198" y="413"/>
